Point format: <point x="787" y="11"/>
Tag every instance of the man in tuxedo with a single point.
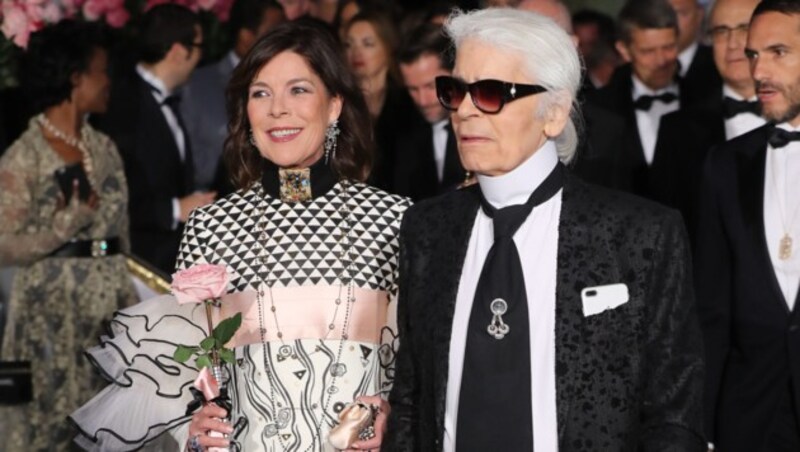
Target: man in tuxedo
<point x="696" y="69"/>
<point x="203" y="105"/>
<point x="638" y="95"/>
<point x="748" y="258"/>
<point x="427" y="162"/>
<point x="144" y="120"/>
<point x="538" y="312"/>
<point x="688" y="134"/>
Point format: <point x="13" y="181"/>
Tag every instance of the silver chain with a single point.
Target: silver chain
<point x="345" y="278"/>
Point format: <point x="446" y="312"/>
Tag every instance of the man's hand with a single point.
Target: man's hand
<point x="380" y="424"/>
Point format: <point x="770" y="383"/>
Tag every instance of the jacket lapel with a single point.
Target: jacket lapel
<point x="463" y="215"/>
<point x="751" y="162"/>
<point x="584" y="260"/>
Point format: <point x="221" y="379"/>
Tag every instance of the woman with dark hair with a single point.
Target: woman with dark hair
<point x="63" y="204"/>
<point x="311" y="252"/>
<point x="371" y="45"/>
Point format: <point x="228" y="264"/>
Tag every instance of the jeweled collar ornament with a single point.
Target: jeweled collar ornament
<point x="298" y="184"/>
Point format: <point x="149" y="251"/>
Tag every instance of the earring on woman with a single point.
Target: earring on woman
<point x="331" y="135"/>
<point x="250" y="137"/>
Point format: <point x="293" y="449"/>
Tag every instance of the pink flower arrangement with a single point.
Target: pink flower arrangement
<point x="199" y="283"/>
<point x="20" y="18"/>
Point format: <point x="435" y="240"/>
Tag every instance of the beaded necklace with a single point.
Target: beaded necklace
<point x="345" y="278"/>
<point x="71" y="140"/>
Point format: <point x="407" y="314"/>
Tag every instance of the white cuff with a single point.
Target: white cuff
<point x="176" y="213"/>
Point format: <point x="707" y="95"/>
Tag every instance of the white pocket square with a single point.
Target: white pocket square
<point x="600" y="298"/>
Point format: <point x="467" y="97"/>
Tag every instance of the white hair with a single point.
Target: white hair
<point x="548" y="53"/>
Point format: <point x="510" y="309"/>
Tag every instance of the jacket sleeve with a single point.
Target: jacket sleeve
<point x="404" y="397"/>
<point x="672" y="398"/>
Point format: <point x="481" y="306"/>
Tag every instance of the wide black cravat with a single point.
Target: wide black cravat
<point x="732" y="107"/>
<point x="494" y="409"/>
<point x="645" y="102"/>
<point x="779" y="138"/>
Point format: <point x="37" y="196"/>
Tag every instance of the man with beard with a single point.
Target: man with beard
<point x="748" y="254"/>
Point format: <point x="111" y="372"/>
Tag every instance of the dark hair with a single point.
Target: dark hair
<point x="427" y="39"/>
<point x="606" y="30"/>
<point x="386" y="31"/>
<point x="788" y="7"/>
<point x="161" y="27"/>
<point x="54" y="55"/>
<point x="646" y="14"/>
<point x="249" y="14"/>
<point x="319" y="48"/>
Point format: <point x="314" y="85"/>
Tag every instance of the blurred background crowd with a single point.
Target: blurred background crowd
<point x="664" y="82"/>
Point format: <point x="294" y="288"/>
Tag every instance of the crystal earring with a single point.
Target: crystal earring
<point x="331" y="136"/>
<point x="250" y="137"/>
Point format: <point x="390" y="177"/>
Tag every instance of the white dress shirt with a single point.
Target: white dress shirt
<point x="159" y="94"/>
<point x="686" y="58"/>
<point x="782" y="212"/>
<point x="743" y="122"/>
<point x="648" y="121"/>
<point x="537" y="243"/>
<point x="440" y="146"/>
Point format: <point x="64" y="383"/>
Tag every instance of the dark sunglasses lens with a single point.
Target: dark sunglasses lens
<point x="450" y="92"/>
<point x="487" y="95"/>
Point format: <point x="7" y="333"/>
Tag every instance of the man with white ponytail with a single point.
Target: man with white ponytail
<point x="538" y="312"/>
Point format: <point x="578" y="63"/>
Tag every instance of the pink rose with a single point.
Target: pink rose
<point x="93" y="9"/>
<point x="16" y="25"/>
<point x="51" y="13"/>
<point x="206" y="4"/>
<point x="199" y="283"/>
<point x="117" y="18"/>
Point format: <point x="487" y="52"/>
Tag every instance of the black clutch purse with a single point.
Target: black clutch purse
<point x="15" y="382"/>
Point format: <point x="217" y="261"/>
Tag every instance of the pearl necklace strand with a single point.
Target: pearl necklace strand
<point x="70" y="140"/>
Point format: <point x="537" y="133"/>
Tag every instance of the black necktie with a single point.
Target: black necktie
<point x="779" y="138"/>
<point x="645" y="102"/>
<point x="732" y="107"/>
<point x="494" y="409"/>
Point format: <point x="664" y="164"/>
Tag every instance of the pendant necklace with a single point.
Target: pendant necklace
<point x="70" y="140"/>
<point x="786" y="243"/>
<point x="282" y="418"/>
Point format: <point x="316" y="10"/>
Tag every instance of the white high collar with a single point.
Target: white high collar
<point x="516" y="186"/>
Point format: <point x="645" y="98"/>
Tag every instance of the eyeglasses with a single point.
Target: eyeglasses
<point x="488" y="96"/>
<point x="723" y="32"/>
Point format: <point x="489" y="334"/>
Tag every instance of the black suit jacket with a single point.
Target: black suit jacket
<point x="702" y="80"/>
<point x="153" y="168"/>
<point x="626" y="379"/>
<point x="752" y="339"/>
<point x="614" y="102"/>
<point x="684" y="139"/>
<point x="415" y="166"/>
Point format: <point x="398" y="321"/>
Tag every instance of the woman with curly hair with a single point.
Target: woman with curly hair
<point x="63" y="201"/>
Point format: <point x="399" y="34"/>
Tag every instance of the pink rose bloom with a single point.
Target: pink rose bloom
<point x="93" y="9"/>
<point x="206" y="4"/>
<point x="117" y="18"/>
<point x="51" y="13"/>
<point x="199" y="283"/>
<point x="16" y="25"/>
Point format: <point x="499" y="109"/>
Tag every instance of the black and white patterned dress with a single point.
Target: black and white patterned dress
<point x="318" y="351"/>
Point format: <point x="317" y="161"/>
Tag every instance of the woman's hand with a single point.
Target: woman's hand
<point x="71" y="217"/>
<point x="380" y="424"/>
<point x="206" y="421"/>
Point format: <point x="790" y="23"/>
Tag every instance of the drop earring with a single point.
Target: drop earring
<point x="331" y="137"/>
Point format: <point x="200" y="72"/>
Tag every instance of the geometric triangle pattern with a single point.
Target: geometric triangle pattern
<point x="298" y="244"/>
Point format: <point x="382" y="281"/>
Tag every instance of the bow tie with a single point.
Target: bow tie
<point x="732" y="107"/>
<point x="645" y="102"/>
<point x="173" y="101"/>
<point x="779" y="138"/>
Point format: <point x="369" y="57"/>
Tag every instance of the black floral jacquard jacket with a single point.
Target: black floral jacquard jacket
<point x="627" y="379"/>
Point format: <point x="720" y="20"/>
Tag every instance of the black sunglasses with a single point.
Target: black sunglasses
<point x="488" y="95"/>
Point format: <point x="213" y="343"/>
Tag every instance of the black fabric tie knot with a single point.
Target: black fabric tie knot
<point x="494" y="409"/>
<point x="732" y="107"/>
<point x="645" y="102"/>
<point x="779" y="138"/>
<point x="173" y="101"/>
